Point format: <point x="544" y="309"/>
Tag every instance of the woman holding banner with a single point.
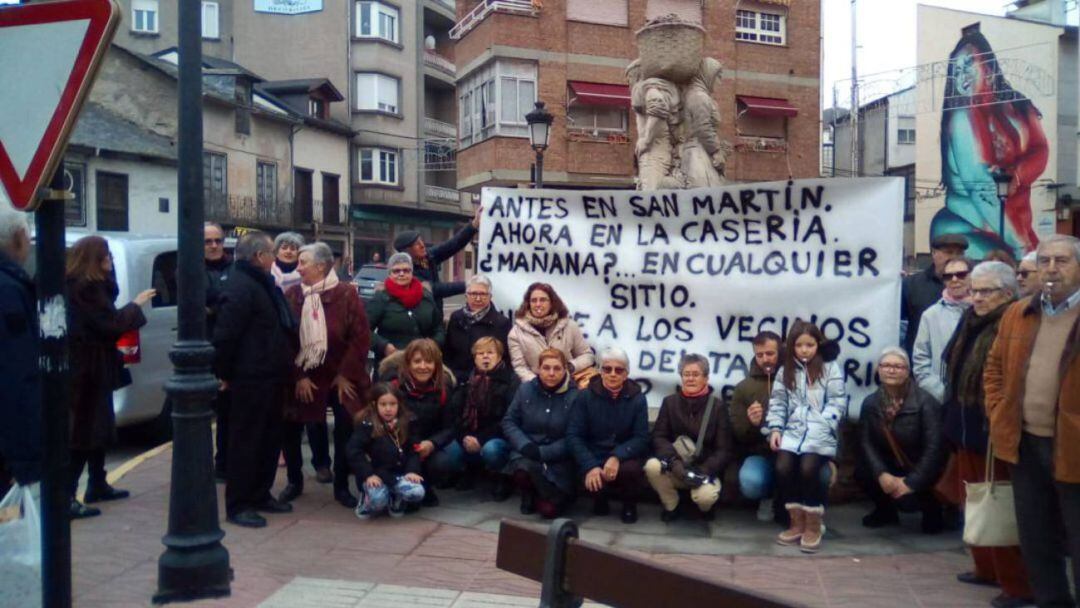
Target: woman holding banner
<point x="541" y="322"/>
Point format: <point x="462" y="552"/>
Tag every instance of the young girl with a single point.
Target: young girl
<point x="808" y="401"/>
<point x="382" y="455"/>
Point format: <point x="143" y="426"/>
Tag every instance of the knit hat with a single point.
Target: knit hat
<point x="404" y="239"/>
<point x="949" y="240"/>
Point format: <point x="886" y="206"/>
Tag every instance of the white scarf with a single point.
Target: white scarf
<point x="313" y="323"/>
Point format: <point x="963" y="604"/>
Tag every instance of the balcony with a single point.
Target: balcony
<point x="439" y="129"/>
<point x="439" y="62"/>
<point x="460" y="201"/>
<point x="487" y="7"/>
<point x="248" y="211"/>
<point x="440" y="13"/>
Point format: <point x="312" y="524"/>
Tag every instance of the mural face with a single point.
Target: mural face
<point x="989" y="133"/>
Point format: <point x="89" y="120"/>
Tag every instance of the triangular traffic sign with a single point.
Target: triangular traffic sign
<point x="49" y="55"/>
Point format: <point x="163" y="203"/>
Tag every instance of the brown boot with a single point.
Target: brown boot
<point x="792" y="535"/>
<point x="811" y="538"/>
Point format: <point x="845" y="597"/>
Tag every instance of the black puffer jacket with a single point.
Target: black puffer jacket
<point x="432" y="411"/>
<point x="255" y="334"/>
<point x="370" y="455"/>
<point x="460" y="337"/>
<point x="918" y="292"/>
<point x="917" y="429"/>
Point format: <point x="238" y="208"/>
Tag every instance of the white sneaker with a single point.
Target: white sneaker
<point x="361" y="513"/>
<point x="765" y="509"/>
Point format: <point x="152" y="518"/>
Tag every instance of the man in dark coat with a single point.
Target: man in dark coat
<point x="922" y="289"/>
<point x="20" y="401"/>
<point x="426" y="261"/>
<point x="254" y="343"/>
<point x="218" y="266"/>
<point x="478" y="319"/>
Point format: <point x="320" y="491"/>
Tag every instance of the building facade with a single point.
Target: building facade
<point x="572" y="54"/>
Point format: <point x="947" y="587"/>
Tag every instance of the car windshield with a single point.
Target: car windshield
<point x="372" y="273"/>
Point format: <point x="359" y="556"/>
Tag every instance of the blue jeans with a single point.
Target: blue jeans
<point x="493" y="455"/>
<point x="756" y="478"/>
<point x="378" y="499"/>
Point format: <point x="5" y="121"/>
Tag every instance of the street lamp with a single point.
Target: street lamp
<point x="539" y="130"/>
<point x="195" y="564"/>
<point x="1002" y="182"/>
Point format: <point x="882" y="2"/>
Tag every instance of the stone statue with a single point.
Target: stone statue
<point x="678" y="122"/>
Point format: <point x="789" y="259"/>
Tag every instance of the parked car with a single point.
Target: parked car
<point x="370" y="279"/>
<point x="142" y="262"/>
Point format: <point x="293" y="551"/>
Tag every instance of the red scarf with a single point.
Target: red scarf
<point x="409" y="296"/>
<point x="417" y="392"/>
<point x="704" y="391"/>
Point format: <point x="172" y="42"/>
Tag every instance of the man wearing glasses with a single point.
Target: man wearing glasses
<point x="1032" y="385"/>
<point x="1028" y="275"/>
<point x="478" y="319"/>
<point x="218" y="265"/>
<point x="922" y="289"/>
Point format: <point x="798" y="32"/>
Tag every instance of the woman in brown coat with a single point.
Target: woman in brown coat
<point x="94" y="326"/>
<point x="331" y="366"/>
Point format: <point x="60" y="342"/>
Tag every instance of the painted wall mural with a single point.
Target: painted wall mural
<point x="989" y="131"/>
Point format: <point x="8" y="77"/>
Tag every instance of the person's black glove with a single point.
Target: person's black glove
<point x="531" y="451"/>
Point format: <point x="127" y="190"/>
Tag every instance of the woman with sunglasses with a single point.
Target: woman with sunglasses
<point x="403" y="311"/>
<point x="937" y="326"/>
<point x="902" y="448"/>
<point x="609" y="436"/>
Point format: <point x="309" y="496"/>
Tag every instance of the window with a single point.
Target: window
<point x="210" y="20"/>
<point x="75" y="183"/>
<point x="906" y="136"/>
<point x="377" y="92"/>
<point x="757" y="26"/>
<point x="378" y="166"/>
<point x="163" y="279"/>
<point x="266" y="184"/>
<point x="144" y="16"/>
<point x="495" y="100"/>
<point x="215" y="184"/>
<point x="112" y="201"/>
<point x="596" y="120"/>
<point x="317" y="108"/>
<point x="377" y="20"/>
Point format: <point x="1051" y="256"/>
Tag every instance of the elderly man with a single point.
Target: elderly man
<point x="426" y="261"/>
<point x="254" y="342"/>
<point x="20" y="401"/>
<point x="218" y="265"/>
<point x="937" y="326"/>
<point x="478" y="319"/>
<point x="1032" y="384"/>
<point x="1028" y="273"/>
<point x="609" y="435"/>
<point x="922" y="289"/>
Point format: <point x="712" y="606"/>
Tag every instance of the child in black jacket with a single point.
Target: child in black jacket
<point x="383" y="455"/>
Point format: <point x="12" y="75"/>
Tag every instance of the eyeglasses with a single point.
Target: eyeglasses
<point x="985" y="293"/>
<point x="213" y="241"/>
<point x="960" y="276"/>
<point x="539" y="300"/>
<point x="477" y="294"/>
<point x="401" y="271"/>
<point x="892" y="367"/>
<point x="611" y="369"/>
<point x="1023" y="274"/>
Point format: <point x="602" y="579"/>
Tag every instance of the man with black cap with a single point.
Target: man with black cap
<point x="426" y="261"/>
<point x="923" y="288"/>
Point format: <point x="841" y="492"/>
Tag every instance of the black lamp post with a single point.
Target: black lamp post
<point x="1002" y="182"/>
<point x="539" y="130"/>
<point x="195" y="564"/>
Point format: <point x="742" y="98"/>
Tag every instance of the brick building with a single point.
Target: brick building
<point x="572" y="54"/>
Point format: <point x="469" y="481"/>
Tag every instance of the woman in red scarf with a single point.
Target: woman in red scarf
<point x="403" y="311"/>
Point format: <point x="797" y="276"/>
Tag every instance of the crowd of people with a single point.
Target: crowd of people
<point x="985" y="383"/>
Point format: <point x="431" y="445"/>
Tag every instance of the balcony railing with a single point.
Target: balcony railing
<point x="450" y="4"/>
<point x="438" y="128"/>
<point x="439" y="62"/>
<point x="247" y="210"/>
<point x="442" y="195"/>
<point x="486" y="7"/>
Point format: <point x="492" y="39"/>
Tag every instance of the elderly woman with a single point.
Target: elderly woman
<point x="691" y="412"/>
<point x="993" y="288"/>
<point x="331" y="366"/>
<point x="1028" y="275"/>
<point x="901" y="442"/>
<point x="428" y="388"/>
<point x="96" y="368"/>
<point x="286" y="260"/>
<point x="609" y="435"/>
<point x="937" y="325"/>
<point x="541" y="464"/>
<point x="404" y="311"/>
<point x="543" y="321"/>
<point x="478" y="319"/>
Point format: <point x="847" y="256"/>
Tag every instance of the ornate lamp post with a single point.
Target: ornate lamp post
<point x="1002" y="182"/>
<point x="539" y="130"/>
<point x="195" y="564"/>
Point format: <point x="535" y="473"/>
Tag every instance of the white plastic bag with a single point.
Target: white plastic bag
<point x="20" y="549"/>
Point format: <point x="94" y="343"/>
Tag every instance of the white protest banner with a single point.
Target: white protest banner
<point x="663" y="273"/>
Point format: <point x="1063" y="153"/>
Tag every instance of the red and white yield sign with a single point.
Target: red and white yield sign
<point x="49" y="55"/>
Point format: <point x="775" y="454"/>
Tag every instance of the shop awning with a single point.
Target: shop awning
<point x="767" y="106"/>
<point x="599" y="94"/>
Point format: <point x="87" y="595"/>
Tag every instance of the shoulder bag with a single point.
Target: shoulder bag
<point x="989" y="513"/>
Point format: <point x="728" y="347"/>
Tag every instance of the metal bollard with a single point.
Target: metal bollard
<point x="553" y="594"/>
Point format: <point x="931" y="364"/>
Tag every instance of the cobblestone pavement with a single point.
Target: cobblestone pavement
<point x="321" y="545"/>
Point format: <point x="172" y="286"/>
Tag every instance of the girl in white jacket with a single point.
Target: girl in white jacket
<point x="807" y="404"/>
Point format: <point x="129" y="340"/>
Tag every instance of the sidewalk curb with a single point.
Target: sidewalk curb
<point x="118" y="473"/>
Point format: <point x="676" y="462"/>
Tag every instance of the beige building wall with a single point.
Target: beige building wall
<point x="1034" y="44"/>
<point x="268" y="142"/>
<point x="323" y="152"/>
